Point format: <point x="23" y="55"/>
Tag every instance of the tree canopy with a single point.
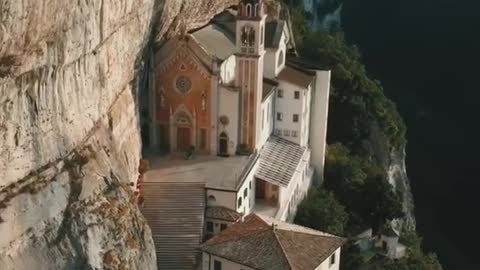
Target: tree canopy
<point x="321" y="211"/>
<point x="361" y="187"/>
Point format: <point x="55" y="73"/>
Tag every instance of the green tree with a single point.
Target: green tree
<point x="321" y="211"/>
<point x="361" y="187"/>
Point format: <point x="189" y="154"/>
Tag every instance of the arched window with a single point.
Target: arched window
<point x="251" y="37"/>
<point x="242" y="9"/>
<point x="249" y="10"/>
<point x="280" y="59"/>
<point x="211" y="198"/>
<point x="248" y="36"/>
<point x="240" y="202"/>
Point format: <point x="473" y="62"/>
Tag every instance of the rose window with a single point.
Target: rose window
<point x="183" y="84"/>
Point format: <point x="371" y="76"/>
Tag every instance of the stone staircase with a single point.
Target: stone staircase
<point x="175" y="213"/>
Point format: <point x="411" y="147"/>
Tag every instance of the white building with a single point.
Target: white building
<point x="256" y="119"/>
<point x="263" y="243"/>
<point x="228" y="89"/>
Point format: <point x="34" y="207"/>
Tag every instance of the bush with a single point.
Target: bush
<point x="321" y="211"/>
<point x="361" y="187"/>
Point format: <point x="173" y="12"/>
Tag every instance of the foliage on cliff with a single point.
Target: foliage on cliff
<point x="321" y="211"/>
<point x="361" y="187"/>
<point x="357" y="103"/>
<point x="364" y="127"/>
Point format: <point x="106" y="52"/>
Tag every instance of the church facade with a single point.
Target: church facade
<point x="228" y="89"/>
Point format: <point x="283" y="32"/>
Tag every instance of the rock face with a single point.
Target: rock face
<point x="70" y="145"/>
<point x="69" y="142"/>
<point x="398" y="178"/>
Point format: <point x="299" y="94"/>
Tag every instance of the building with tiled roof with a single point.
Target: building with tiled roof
<point x="255" y="122"/>
<point x="218" y="218"/>
<point x="262" y="243"/>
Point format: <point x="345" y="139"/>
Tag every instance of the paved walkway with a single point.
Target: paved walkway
<point x="175" y="213"/>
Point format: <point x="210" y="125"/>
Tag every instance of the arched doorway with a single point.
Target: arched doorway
<point x="223" y="144"/>
<point x="184" y="131"/>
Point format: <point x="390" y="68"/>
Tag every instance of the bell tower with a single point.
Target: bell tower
<point x="250" y="51"/>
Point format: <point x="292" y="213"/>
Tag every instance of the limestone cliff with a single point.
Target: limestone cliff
<point x="70" y="72"/>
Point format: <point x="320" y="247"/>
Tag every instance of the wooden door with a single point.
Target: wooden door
<point x="183" y="138"/>
<point x="259" y="189"/>
<point x="223" y="146"/>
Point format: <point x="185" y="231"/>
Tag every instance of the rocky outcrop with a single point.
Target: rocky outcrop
<point x="70" y="72"/>
<point x="398" y="178"/>
<point x="69" y="142"/>
<point x="179" y="15"/>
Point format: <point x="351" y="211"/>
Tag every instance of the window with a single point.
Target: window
<point x="217" y="265"/>
<point x="223" y="227"/>
<point x="278" y="132"/>
<point x="280" y="59"/>
<point x="245" y="193"/>
<point x="286" y="133"/>
<point x="249" y="14"/>
<point x="211" y="198"/>
<point x="248" y="36"/>
<point x="296" y="94"/>
<point x="203" y="138"/>
<point x="239" y="202"/>
<point x="294" y="133"/>
<point x="250" y="184"/>
<point x="280" y="93"/>
<point x="279" y="116"/>
<point x="209" y="226"/>
<point x="332" y="259"/>
<point x="295" y="118"/>
<point x="183" y="84"/>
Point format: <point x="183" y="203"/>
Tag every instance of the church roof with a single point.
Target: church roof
<point x="222" y="213"/>
<point x="296" y="76"/>
<point x="218" y="37"/>
<point x="279" y="159"/>
<point x="216" y="41"/>
<point x="273" y="33"/>
<point x="268" y="87"/>
<point x="263" y="243"/>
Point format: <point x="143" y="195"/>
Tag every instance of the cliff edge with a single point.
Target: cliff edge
<point x="69" y="135"/>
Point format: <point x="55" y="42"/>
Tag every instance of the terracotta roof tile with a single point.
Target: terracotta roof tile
<point x="268" y="87"/>
<point x="222" y="213"/>
<point x="257" y="244"/>
<point x="279" y="159"/>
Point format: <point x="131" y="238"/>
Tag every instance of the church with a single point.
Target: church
<point x="253" y="116"/>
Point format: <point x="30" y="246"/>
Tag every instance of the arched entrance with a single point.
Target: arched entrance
<point x="184" y="131"/>
<point x="223" y="144"/>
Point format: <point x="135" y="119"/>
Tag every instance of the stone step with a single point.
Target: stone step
<point x="175" y="213"/>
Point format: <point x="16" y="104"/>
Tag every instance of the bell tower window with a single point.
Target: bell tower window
<point x="248" y="36"/>
<point x="249" y="10"/>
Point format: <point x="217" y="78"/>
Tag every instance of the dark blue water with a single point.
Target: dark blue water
<point x="426" y="53"/>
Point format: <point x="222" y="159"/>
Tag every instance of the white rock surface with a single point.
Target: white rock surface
<point x="69" y="141"/>
<point x="69" y="136"/>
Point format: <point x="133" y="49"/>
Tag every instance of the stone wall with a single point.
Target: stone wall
<point x="69" y="136"/>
